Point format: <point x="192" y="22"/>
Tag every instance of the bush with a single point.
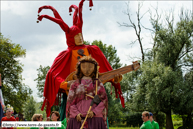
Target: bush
<point x="161" y="119"/>
<point x="134" y="120"/>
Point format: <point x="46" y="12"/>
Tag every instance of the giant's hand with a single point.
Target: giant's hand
<point x="69" y="83"/>
<point x="78" y="117"/>
<point x="90" y="114"/>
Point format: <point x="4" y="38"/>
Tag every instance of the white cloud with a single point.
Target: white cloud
<point x="20" y="8"/>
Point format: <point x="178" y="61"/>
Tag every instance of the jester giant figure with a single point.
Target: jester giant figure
<point x="65" y="62"/>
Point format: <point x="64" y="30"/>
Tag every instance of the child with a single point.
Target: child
<point x="8" y="117"/>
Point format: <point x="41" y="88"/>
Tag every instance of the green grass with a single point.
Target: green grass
<point x="123" y="127"/>
<point x="175" y="127"/>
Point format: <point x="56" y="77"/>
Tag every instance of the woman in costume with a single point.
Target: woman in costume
<point x="81" y="94"/>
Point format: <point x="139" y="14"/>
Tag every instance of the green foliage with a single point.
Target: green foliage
<point x="14" y="91"/>
<point x="42" y="72"/>
<point x="173" y="44"/>
<point x="110" y="53"/>
<point x="134" y="119"/>
<point x="29" y="108"/>
<point x="117" y="127"/>
<point x="157" y="87"/>
<point x="39" y="111"/>
<point x="128" y="85"/>
<point x="161" y="85"/>
<point x="161" y="119"/>
<point x="115" y="114"/>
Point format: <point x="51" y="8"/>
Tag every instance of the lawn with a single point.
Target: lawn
<point x="123" y="127"/>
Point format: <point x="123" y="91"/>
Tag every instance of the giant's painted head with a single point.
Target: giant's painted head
<point x="71" y="32"/>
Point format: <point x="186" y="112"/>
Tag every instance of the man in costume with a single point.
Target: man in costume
<point x="65" y="62"/>
<point x="81" y="94"/>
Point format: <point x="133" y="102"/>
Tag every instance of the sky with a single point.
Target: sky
<point x="43" y="41"/>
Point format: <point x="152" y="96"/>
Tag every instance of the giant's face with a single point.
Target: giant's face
<point x="78" y="39"/>
<point x="87" y="68"/>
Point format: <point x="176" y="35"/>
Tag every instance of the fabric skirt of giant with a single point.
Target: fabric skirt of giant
<point x="91" y="123"/>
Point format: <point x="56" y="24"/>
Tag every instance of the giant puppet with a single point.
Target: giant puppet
<point x="65" y="62"/>
<point x="87" y="102"/>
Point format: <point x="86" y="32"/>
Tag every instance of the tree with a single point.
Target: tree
<point x="29" y="108"/>
<point x="161" y="84"/>
<point x="173" y="44"/>
<point x="14" y="91"/>
<point x="137" y="27"/>
<point x="185" y="106"/>
<point x="158" y="89"/>
<point x="39" y="111"/>
<point x="110" y="53"/>
<point x="42" y="72"/>
<point x="172" y="50"/>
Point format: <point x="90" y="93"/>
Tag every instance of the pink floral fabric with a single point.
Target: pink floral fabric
<point x="78" y="102"/>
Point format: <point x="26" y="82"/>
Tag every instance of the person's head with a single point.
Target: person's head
<point x="78" y="39"/>
<point x="86" y="66"/>
<point x="150" y="116"/>
<point x="41" y="117"/>
<point x="9" y="112"/>
<point x="55" y="116"/>
<point x="37" y="117"/>
<point x="145" y="116"/>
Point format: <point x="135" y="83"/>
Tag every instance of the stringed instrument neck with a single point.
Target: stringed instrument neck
<point x="104" y="77"/>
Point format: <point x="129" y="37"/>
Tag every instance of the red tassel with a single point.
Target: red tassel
<point x="90" y="3"/>
<point x="43" y="104"/>
<point x="70" y="9"/>
<point x="122" y="101"/>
